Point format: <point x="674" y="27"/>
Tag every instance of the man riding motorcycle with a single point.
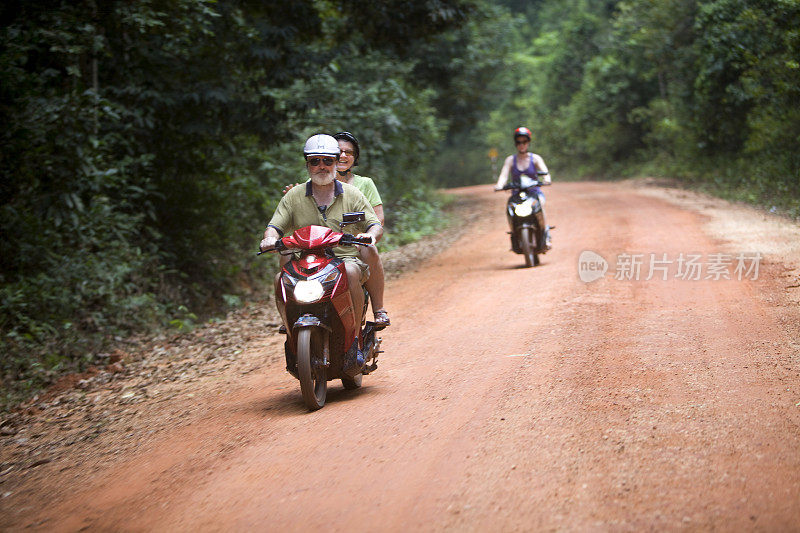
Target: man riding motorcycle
<point x="348" y="158"/>
<point x="525" y="163"/>
<point x="322" y="201"/>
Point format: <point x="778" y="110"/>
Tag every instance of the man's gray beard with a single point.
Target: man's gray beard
<point x="324" y="179"/>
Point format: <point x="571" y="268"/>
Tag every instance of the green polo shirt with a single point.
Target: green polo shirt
<point x="298" y="209"/>
<point x="367" y="187"/>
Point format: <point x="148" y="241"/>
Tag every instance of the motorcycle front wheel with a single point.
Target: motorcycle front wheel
<point x="528" y="244"/>
<point x="313" y="378"/>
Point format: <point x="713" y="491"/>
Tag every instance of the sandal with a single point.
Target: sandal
<point x="381" y="318"/>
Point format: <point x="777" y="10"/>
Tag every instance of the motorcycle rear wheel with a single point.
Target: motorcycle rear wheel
<point x="528" y="244"/>
<point x="313" y="378"/>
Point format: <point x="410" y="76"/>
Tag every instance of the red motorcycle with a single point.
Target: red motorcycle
<point x="323" y="341"/>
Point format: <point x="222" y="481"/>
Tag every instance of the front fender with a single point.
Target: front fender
<point x="308" y="321"/>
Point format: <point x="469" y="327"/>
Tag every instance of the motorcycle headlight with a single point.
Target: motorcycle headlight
<point x="524" y="209"/>
<point x="308" y="291"/>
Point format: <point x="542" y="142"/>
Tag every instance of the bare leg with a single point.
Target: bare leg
<point x="544" y="221"/>
<point x="375" y="283"/>
<point x="356" y="292"/>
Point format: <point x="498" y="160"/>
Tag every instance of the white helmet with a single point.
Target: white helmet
<point x="321" y="144"/>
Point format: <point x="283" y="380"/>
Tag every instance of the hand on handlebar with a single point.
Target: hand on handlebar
<point x="267" y="243"/>
<point x="278" y="247"/>
<point x="270" y="244"/>
<point x="362" y="239"/>
<point x="366" y="238"/>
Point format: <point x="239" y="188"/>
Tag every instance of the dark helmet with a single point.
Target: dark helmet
<point x="349" y="137"/>
<point x="522" y="131"/>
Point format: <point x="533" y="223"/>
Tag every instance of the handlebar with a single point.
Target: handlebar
<point x="346" y="240"/>
<point x="355" y="241"/>
<point x="536" y="183"/>
<point x="278" y="247"/>
<point x="509" y="186"/>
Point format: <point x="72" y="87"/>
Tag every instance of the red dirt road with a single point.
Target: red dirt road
<point x="508" y="399"/>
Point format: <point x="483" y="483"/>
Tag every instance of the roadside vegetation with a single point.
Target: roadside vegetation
<point x="704" y="91"/>
<point x="145" y="143"/>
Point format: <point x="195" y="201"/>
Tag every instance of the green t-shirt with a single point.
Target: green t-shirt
<point x="367" y="188"/>
<point x="298" y="209"/>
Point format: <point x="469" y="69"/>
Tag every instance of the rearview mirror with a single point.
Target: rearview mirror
<point x="352" y="218"/>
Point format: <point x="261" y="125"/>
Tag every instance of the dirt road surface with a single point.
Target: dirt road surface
<point x="508" y="399"/>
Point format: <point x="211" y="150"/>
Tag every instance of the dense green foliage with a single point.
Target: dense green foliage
<point x="145" y="143"/>
<point x="704" y="90"/>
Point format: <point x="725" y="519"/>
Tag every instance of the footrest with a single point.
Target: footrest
<point x="371" y="325"/>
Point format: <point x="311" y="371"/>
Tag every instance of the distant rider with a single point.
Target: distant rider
<point x="524" y="166"/>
